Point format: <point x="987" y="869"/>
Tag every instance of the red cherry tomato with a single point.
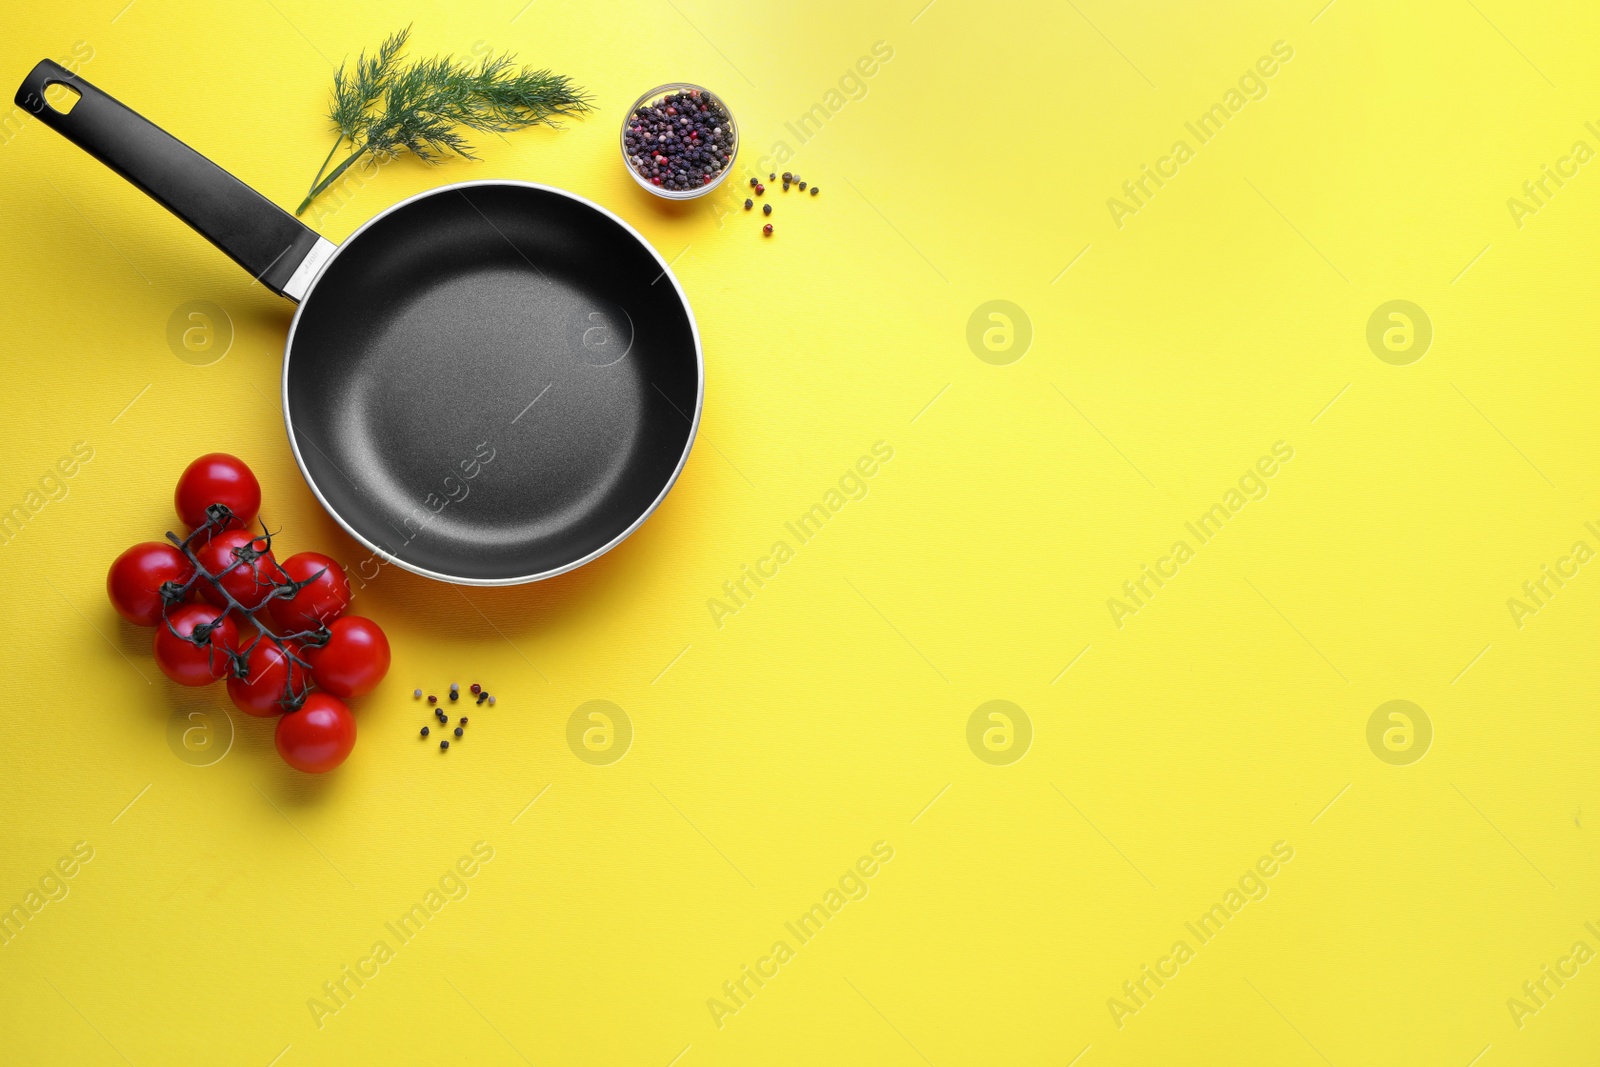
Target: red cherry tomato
<point x="136" y="577"/>
<point x="217" y="478"/>
<point x="187" y="663"/>
<point x="324" y="600"/>
<point x="354" y="660"/>
<point x="272" y="676"/>
<point x="318" y="737"/>
<point x="243" y="564"/>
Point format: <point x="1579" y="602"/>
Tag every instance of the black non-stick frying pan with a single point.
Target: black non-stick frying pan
<point x="489" y="383"/>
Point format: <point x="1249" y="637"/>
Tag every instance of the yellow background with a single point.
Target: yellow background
<point x="827" y="714"/>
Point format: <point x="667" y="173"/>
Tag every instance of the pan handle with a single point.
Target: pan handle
<point x="261" y="237"/>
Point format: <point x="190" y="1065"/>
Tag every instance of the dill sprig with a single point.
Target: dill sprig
<point x="382" y="106"/>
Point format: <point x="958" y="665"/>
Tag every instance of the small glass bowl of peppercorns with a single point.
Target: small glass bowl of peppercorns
<point x="679" y="141"/>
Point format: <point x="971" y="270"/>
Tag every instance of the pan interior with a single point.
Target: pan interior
<point x="492" y="382"/>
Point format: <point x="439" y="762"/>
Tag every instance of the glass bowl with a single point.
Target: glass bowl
<point x="679" y="194"/>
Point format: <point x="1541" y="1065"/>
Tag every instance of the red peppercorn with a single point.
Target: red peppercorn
<point x="476" y="688"/>
<point x="760" y="188"/>
<point x="767" y="229"/>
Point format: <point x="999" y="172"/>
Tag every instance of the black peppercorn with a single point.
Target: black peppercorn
<point x="424" y="731"/>
<point x="444" y="744"/>
<point x="748" y="203"/>
<point x="459" y="731"/>
<point x="766" y="209"/>
<point x="815" y="189"/>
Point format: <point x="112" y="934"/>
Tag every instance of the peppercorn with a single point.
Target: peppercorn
<point x="424" y="731"/>
<point x="455" y="695"/>
<point x="815" y="190"/>
<point x="432" y="699"/>
<point x="459" y="731"/>
<point x="752" y="183"/>
<point x="463" y="720"/>
<point x="767" y="229"/>
<point x="766" y="209"/>
<point x="748" y="203"/>
<point x="482" y="697"/>
<point x="454" y="687"/>
<point x="476" y="688"/>
<point x="787" y="176"/>
<point x="760" y="189"/>
<point x="772" y="177"/>
<point x="444" y="745"/>
<point x="802" y="187"/>
<point x="416" y="694"/>
<point x="491" y="702"/>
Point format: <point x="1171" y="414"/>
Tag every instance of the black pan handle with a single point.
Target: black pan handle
<point x="257" y="234"/>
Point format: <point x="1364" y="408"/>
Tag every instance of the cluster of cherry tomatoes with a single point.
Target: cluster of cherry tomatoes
<point x="224" y="607"/>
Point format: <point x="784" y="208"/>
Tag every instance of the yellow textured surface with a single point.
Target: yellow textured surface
<point x="1176" y="341"/>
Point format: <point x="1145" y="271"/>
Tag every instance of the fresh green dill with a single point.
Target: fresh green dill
<point x="383" y="106"/>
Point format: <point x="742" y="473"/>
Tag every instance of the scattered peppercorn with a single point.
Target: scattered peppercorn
<point x="444" y="744"/>
<point x="679" y="142"/>
<point x="491" y="702"/>
<point x="760" y="188"/>
<point x="787" y="176"/>
<point x="482" y="697"/>
<point x="476" y="688"/>
<point x="454" y="687"/>
<point x="748" y="203"/>
<point x="752" y="183"/>
<point x="416" y="694"/>
<point x="424" y="731"/>
<point x="802" y="187"/>
<point x="455" y="694"/>
<point x="766" y="209"/>
<point x="459" y="731"/>
<point x="815" y="190"/>
<point x="432" y="699"/>
<point x="463" y="720"/>
<point x="767" y="229"/>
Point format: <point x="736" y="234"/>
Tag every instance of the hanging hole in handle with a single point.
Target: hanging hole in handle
<point x="61" y="97"/>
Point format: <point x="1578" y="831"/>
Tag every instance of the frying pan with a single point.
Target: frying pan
<point x="489" y="383"/>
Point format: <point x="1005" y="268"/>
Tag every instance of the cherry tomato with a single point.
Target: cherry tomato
<point x="354" y="660"/>
<point x="324" y="600"/>
<point x="243" y="564"/>
<point x="271" y="673"/>
<point x="136" y="577"/>
<point x="217" y="478"/>
<point x="187" y="663"/>
<point x="318" y="737"/>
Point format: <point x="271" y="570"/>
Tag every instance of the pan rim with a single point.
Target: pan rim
<point x="456" y="579"/>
